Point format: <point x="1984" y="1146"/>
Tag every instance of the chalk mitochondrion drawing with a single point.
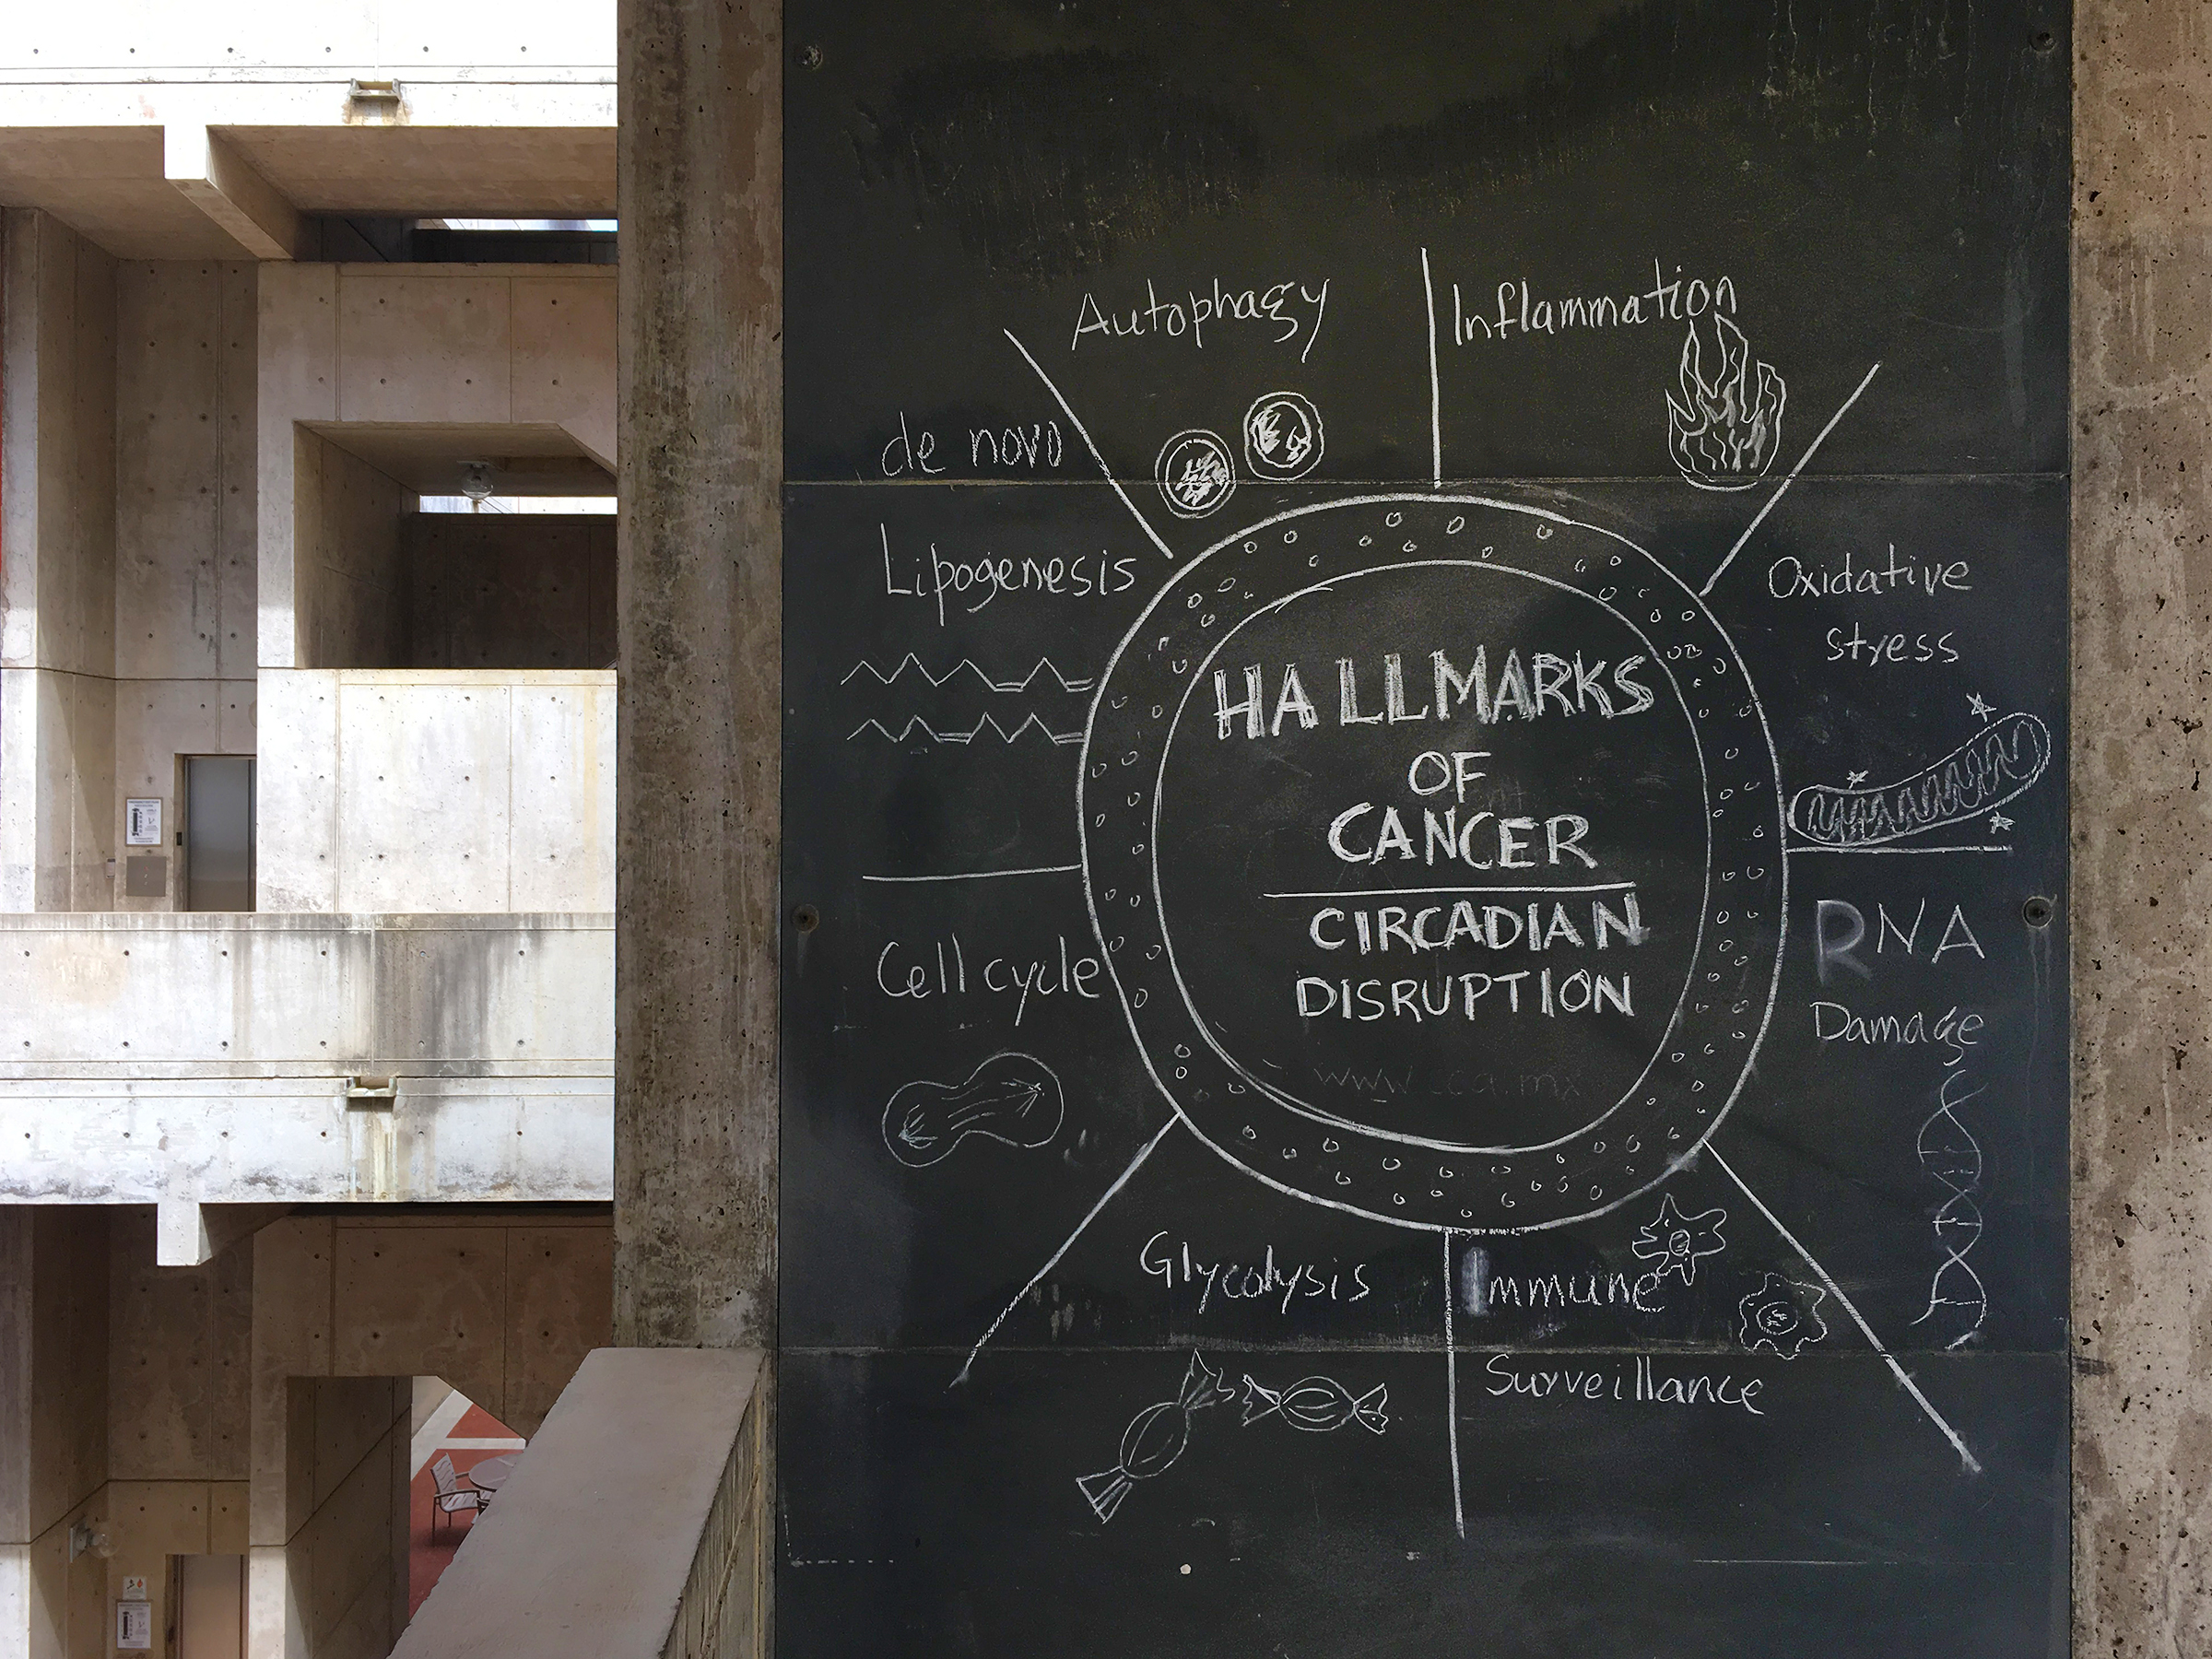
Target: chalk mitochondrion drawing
<point x="1011" y="1097"/>
<point x="1995" y="765"/>
<point x="1156" y="1438"/>
<point x="1724" y="427"/>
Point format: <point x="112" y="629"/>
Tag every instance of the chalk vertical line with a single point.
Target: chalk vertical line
<point x="1105" y="1198"/>
<point x="1836" y="1291"/>
<point x="1436" y="410"/>
<point x="1084" y="432"/>
<point x="1459" y="1513"/>
<point x="1801" y="462"/>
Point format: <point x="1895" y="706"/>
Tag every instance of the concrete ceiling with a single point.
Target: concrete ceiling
<point x="108" y="184"/>
<point x="533" y="460"/>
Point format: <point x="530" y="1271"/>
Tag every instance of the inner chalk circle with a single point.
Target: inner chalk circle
<point x="1316" y="1019"/>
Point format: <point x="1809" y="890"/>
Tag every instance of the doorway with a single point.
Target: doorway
<point x="209" y="1599"/>
<point x="218" y="832"/>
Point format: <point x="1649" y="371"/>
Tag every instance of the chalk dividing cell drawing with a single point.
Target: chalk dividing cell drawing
<point x="1949" y="1152"/>
<point x="1011" y="1097"/>
<point x="1674" y="1243"/>
<point x="1725" y="428"/>
<point x="918" y="729"/>
<point x="1999" y="763"/>
<point x="1195" y="473"/>
<point x="1282" y="437"/>
<point x="1156" y="1437"/>
<point x="1043" y="668"/>
<point x="1316" y="1405"/>
<point x="1781" y="1316"/>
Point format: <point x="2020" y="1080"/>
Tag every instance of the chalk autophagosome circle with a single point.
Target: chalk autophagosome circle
<point x="1195" y="473"/>
<point x="1165" y="798"/>
<point x="1282" y="437"/>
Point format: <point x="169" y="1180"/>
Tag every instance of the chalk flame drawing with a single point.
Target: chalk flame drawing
<point x="1674" y="1243"/>
<point x="1156" y="1437"/>
<point x="1317" y="1404"/>
<point x="1781" y="1316"/>
<point x="1045" y="665"/>
<point x="1999" y="763"/>
<point x="1949" y="1152"/>
<point x="1726" y="428"/>
<point x="1011" y="1097"/>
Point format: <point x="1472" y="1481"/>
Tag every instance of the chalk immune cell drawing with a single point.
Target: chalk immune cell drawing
<point x="1781" y="1316"/>
<point x="1674" y="1243"/>
<point x="1156" y="1437"/>
<point x="1204" y="656"/>
<point x="1011" y="1097"/>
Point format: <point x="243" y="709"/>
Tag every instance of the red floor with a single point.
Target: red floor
<point x="426" y="1558"/>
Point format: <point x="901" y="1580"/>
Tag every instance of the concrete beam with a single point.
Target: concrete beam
<point x="188" y="1233"/>
<point x="221" y="183"/>
<point x="699" y="621"/>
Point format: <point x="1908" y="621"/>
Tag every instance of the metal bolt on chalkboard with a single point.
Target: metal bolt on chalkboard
<point x="2037" y="912"/>
<point x="806" y="918"/>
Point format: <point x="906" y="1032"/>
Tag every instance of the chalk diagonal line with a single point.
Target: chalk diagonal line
<point x="1836" y="1291"/>
<point x="1105" y="1198"/>
<point x="1459" y="1513"/>
<point x="1801" y="462"/>
<point x="1436" y="407"/>
<point x="1084" y="432"/>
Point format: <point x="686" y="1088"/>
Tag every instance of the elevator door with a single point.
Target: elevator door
<point x="218" y="832"/>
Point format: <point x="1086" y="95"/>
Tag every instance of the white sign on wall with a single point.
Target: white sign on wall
<point x="142" y="823"/>
<point x="134" y="1624"/>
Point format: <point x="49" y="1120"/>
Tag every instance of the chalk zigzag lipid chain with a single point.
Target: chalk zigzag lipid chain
<point x="1044" y="665"/>
<point x="915" y="724"/>
<point x="1995" y="765"/>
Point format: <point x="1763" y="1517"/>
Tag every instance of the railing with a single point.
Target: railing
<point x="635" y="1527"/>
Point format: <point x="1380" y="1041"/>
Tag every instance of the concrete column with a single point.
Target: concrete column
<point x="2143" y="826"/>
<point x="699" y="627"/>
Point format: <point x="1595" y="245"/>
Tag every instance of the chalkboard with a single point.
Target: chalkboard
<point x="1425" y="838"/>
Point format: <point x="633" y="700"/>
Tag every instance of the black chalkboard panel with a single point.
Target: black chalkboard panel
<point x="1425" y="666"/>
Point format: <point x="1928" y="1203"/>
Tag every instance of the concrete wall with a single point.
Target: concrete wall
<point x="204" y="1060"/>
<point x="2143" y="828"/>
<point x="437" y="791"/>
<point x="459" y="346"/>
<point x="511" y="590"/>
<point x="350" y="584"/>
<point x="53" y="1428"/>
<point x="184" y="529"/>
<point x="57" y="582"/>
<point x="505" y="1308"/>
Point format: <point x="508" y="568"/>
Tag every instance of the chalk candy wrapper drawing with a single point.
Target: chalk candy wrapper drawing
<point x="1317" y="1404"/>
<point x="1154" y="1439"/>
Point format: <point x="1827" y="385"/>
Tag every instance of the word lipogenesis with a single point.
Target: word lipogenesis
<point x="975" y="582"/>
<point x="1550" y="684"/>
<point x="1261" y="1280"/>
<point x="1280" y="309"/>
<point x="1519" y="311"/>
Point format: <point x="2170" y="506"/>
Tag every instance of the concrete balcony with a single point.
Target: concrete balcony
<point x="189" y="1060"/>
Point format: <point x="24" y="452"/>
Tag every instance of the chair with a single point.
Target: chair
<point x="452" y="1498"/>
